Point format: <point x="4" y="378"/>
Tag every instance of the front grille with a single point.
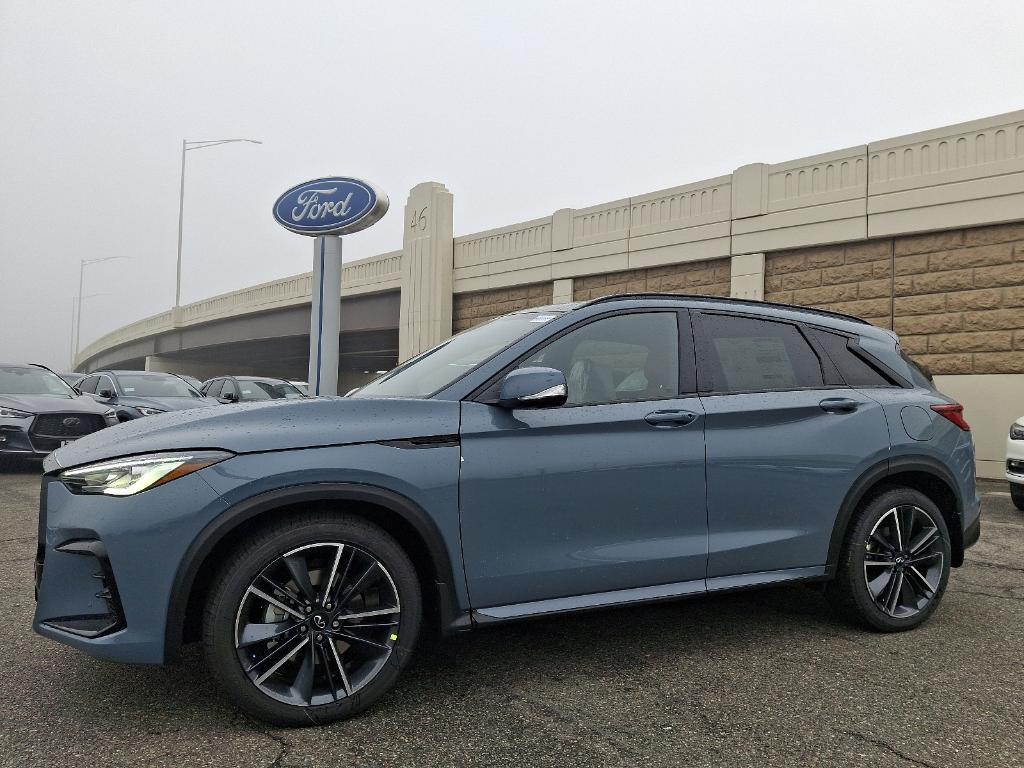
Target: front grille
<point x="66" y="424"/>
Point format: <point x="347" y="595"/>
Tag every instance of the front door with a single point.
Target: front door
<point x="604" y="493"/>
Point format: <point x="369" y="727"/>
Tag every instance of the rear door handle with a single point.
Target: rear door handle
<point x="670" y="418"/>
<point x="839" y="405"/>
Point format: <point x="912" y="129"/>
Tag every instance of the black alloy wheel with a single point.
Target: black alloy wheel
<point x="312" y="619"/>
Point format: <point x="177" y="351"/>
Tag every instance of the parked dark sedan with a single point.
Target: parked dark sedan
<point x="39" y="412"/>
<point x="142" y="393"/>
<point x="248" y="389"/>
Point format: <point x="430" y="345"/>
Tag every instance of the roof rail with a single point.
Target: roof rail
<point x="727" y="300"/>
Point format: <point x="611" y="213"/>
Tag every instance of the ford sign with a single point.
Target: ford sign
<point x="333" y="206"/>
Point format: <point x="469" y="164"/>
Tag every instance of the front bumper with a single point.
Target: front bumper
<point x="1015" y="460"/>
<point x="105" y="565"/>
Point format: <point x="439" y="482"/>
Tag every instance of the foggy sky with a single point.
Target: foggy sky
<point x="520" y="108"/>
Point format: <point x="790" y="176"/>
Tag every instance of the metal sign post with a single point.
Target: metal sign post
<point x="325" y="318"/>
<point x="326" y="209"/>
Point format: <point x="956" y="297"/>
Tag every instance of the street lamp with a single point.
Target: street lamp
<point x="188" y="146"/>
<point x="74" y="306"/>
<point x="81" y="278"/>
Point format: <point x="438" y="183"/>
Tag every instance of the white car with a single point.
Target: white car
<point x="1015" y="463"/>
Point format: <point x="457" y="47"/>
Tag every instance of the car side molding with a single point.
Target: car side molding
<point x="229" y="520"/>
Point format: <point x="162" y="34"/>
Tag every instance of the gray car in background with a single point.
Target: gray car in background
<point x="133" y="394"/>
<point x="40" y="412"/>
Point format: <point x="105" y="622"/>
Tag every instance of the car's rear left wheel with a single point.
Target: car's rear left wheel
<point x="312" y="619"/>
<point x="895" y="561"/>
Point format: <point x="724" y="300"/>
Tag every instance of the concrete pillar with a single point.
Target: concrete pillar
<point x="425" y="317"/>
<point x="747" y="276"/>
<point x="561" y="291"/>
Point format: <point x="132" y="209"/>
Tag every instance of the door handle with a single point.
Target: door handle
<point x="839" y="405"/>
<point x="670" y="418"/>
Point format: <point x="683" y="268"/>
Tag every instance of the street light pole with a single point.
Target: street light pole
<point x="81" y="278"/>
<point x="188" y="146"/>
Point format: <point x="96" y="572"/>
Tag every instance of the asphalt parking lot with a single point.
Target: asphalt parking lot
<point x="766" y="678"/>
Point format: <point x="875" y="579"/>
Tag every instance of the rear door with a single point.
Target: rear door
<point x="786" y="439"/>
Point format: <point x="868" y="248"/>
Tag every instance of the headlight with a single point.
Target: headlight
<point x="1017" y="432"/>
<point x="126" y="477"/>
<point x="11" y="413"/>
<point x="148" y="411"/>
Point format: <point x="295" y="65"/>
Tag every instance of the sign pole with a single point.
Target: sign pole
<point x="326" y="209"/>
<point x="325" y="318"/>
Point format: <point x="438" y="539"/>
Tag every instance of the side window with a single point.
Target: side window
<point x="105" y="383"/>
<point x="89" y="384"/>
<point x="213" y="389"/>
<point x="229" y="388"/>
<point x="855" y="370"/>
<point x="622" y="358"/>
<point x="744" y="354"/>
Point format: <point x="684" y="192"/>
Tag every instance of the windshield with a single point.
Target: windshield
<point x="32" y="381"/>
<point x="268" y="390"/>
<point x="437" y="368"/>
<point x="155" y="386"/>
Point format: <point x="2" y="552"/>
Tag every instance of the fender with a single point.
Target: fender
<point x="871" y="476"/>
<point x="227" y="521"/>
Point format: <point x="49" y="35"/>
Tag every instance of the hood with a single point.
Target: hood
<point x="268" y="426"/>
<point x="53" y="404"/>
<point x="165" y="403"/>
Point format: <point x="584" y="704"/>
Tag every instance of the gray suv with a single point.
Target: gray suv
<point x="626" y="450"/>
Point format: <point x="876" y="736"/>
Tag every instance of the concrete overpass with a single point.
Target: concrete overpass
<point x="922" y="233"/>
<point x="264" y="330"/>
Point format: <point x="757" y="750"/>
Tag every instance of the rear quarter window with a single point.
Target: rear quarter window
<point x="855" y="369"/>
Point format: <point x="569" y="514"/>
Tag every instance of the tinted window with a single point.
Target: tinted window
<point x="214" y="387"/>
<point x="105" y="383"/>
<point x="855" y="370"/>
<point x="621" y="358"/>
<point x="89" y="384"/>
<point x="229" y="388"/>
<point x="743" y="354"/>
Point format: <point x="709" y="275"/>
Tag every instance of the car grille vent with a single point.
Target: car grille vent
<point x="66" y="424"/>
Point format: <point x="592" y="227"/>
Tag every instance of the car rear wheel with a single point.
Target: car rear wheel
<point x="312" y="619"/>
<point x="1017" y="496"/>
<point x="894" y="566"/>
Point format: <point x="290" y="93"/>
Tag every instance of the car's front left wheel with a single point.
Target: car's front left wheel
<point x="312" y="619"/>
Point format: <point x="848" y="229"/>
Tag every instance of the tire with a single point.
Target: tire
<point x="370" y="650"/>
<point x="1017" y="496"/>
<point x="870" y="579"/>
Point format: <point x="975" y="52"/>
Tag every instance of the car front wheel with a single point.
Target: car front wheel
<point x="1017" y="496"/>
<point x="895" y="562"/>
<point x="312" y="619"/>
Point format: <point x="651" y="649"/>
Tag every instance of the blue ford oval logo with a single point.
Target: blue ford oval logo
<point x="331" y="206"/>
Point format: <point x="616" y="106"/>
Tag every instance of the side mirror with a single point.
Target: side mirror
<point x="230" y="397"/>
<point x="533" y="388"/>
<point x="77" y="391"/>
<point x="106" y="394"/>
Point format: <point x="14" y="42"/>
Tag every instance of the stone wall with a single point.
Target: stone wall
<point x="471" y="309"/>
<point x="707" y="278"/>
<point x="956" y="298"/>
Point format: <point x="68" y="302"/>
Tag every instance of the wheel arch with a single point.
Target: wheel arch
<point x="405" y="520"/>
<point x="922" y="473"/>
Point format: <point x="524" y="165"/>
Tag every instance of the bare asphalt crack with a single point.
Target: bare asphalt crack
<point x="283" y="745"/>
<point x="986" y="594"/>
<point x="559" y="716"/>
<point x="890" y="748"/>
<point x="999" y="566"/>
